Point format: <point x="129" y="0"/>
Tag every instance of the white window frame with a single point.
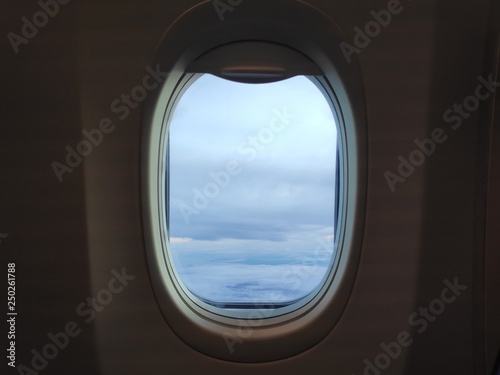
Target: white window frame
<point x="297" y="328"/>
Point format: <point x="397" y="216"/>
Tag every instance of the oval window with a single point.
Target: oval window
<point x="254" y="180"/>
<point x="251" y="192"/>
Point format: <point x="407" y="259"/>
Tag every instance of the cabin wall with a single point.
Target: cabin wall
<point x="67" y="237"/>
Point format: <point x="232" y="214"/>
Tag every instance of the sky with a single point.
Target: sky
<point x="252" y="189"/>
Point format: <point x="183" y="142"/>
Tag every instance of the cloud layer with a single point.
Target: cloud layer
<point x="251" y="235"/>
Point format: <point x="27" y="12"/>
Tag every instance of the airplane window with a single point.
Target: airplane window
<point x="251" y="191"/>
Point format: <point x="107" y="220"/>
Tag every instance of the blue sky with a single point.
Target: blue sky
<point x="252" y="188"/>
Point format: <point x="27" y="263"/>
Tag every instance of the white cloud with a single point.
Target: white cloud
<point x="178" y="240"/>
<point x="254" y="283"/>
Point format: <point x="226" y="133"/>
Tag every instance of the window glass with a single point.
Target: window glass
<point x="251" y="190"/>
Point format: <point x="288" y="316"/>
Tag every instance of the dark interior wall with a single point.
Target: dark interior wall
<point x="44" y="219"/>
<point x="491" y="197"/>
<point x="454" y="212"/>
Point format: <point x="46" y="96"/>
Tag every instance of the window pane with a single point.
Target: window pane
<point x="251" y="189"/>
